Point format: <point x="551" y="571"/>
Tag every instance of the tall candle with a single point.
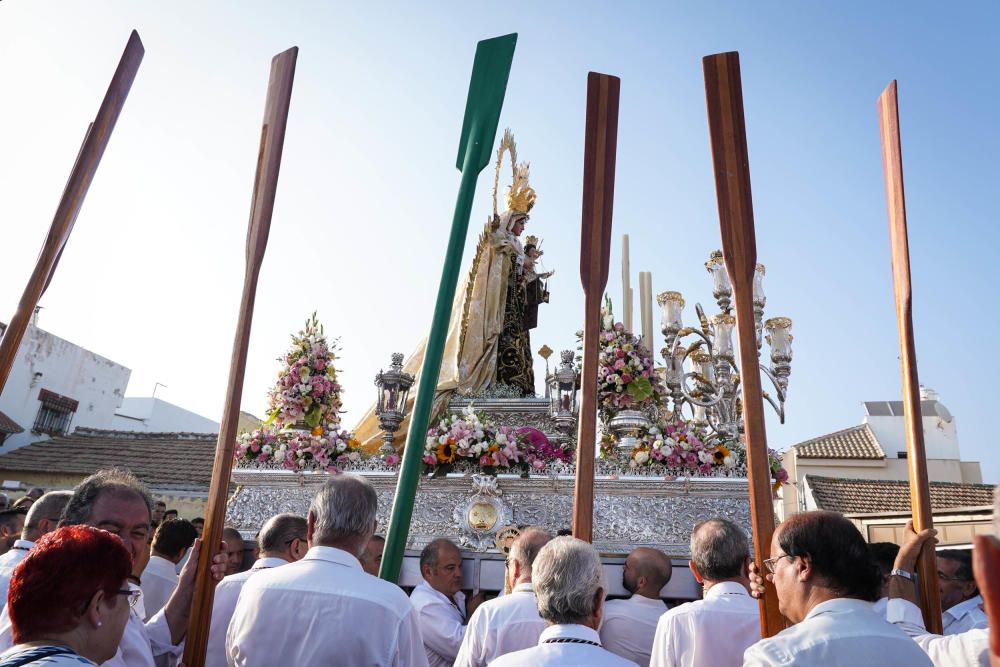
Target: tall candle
<point x="646" y="299"/>
<point x="626" y="286"/>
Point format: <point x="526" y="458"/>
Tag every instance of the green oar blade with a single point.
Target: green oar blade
<point x="486" y="92"/>
<point x="482" y="114"/>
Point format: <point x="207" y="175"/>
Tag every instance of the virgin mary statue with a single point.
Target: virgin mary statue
<point x="488" y="344"/>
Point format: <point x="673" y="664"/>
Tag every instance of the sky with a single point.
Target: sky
<point x="152" y="275"/>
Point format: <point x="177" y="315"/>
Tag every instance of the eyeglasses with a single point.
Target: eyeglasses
<point x="771" y="562"/>
<point x="133" y="596"/>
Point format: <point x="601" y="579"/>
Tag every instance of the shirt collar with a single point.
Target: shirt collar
<point x="962" y="608"/>
<point x="570" y="630"/>
<point x="725" y="588"/>
<point x="160" y="566"/>
<point x="333" y="555"/>
<point x="642" y="599"/>
<point x="268" y="562"/>
<point x="839" y="605"/>
<point x="22" y="544"/>
<point x="457" y="601"/>
<point x="526" y="587"/>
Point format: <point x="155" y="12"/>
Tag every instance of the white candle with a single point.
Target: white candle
<point x="626" y="286"/>
<point x="646" y="299"/>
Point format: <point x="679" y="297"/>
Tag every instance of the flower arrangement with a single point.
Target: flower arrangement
<point x="306" y="393"/>
<point x="626" y="379"/>
<point x="307" y="388"/>
<point x="471" y="439"/>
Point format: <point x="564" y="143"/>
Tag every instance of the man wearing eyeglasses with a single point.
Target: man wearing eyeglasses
<point x="282" y="540"/>
<point x="960" y="597"/>
<point x="825" y="584"/>
<point x="42" y="518"/>
<point x="117" y="502"/>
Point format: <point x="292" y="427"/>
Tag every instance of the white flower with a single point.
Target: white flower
<point x="266" y="449"/>
<point x="641" y="456"/>
<point x="443" y="440"/>
<point x="431" y="442"/>
<point x="609" y="321"/>
<point x="341" y="446"/>
<point x="705" y="457"/>
<point x="729" y="461"/>
<point x="501" y="438"/>
<point x="354" y="456"/>
<point x="305" y="388"/>
<point x="669" y="443"/>
<point x="657" y="444"/>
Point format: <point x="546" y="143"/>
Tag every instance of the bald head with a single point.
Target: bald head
<point x="522" y="555"/>
<point x="646" y="571"/>
<point x="43" y="517"/>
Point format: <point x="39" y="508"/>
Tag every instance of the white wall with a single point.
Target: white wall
<point x="940" y="437"/>
<point x="67" y="369"/>
<point x="154" y="415"/>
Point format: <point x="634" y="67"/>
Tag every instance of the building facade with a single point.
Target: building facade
<point x="56" y="386"/>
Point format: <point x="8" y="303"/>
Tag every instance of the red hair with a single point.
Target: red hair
<point x="52" y="586"/>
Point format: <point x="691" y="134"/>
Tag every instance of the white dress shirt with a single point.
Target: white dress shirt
<point x="323" y="610"/>
<point x="500" y="626"/>
<point x="442" y="623"/>
<point x="842" y="632"/>
<point x="140" y="641"/>
<point x="159" y="580"/>
<point x="227" y="592"/>
<point x="8" y="562"/>
<point x="964" y="616"/>
<point x="715" y="630"/>
<point x="628" y="627"/>
<point x="550" y="651"/>
<point x="966" y="648"/>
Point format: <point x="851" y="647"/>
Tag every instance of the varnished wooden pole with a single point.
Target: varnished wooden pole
<point x="600" y="148"/>
<point x="272" y="137"/>
<point x="94" y="143"/>
<point x="726" y="124"/>
<point x="916" y="457"/>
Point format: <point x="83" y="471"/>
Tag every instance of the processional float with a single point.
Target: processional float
<point x="95" y="141"/>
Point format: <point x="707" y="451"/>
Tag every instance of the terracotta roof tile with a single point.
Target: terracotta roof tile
<point x="857" y="442"/>
<point x="158" y="459"/>
<point x="862" y="496"/>
<point x="8" y="425"/>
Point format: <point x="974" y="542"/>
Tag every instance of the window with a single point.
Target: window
<point x="55" y="413"/>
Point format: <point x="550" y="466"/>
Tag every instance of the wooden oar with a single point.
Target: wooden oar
<point x="599" y="151"/>
<point x="95" y="141"/>
<point x="490" y="71"/>
<point x="272" y="138"/>
<point x="916" y="457"/>
<point x="726" y="125"/>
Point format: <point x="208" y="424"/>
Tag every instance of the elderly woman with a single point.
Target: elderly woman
<point x="65" y="600"/>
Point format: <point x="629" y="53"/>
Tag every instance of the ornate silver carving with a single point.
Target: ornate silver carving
<point x="482" y="514"/>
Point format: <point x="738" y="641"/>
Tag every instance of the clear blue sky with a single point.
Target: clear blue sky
<point x="152" y="275"/>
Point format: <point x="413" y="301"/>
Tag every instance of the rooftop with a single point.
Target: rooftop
<point x="856" y="442"/>
<point x="171" y="460"/>
<point x="8" y="425"/>
<point x="866" y="496"/>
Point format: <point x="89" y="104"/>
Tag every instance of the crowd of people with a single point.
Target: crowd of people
<point x="103" y="574"/>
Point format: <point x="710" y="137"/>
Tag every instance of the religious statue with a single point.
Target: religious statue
<point x="488" y="346"/>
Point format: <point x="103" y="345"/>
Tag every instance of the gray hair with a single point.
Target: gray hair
<point x="344" y="509"/>
<point x="527" y="547"/>
<point x="50" y="506"/>
<point x="567" y="576"/>
<point x="719" y="549"/>
<point x="114" y="481"/>
<point x="431" y="554"/>
<point x="279" y="531"/>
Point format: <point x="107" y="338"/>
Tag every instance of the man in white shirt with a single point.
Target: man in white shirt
<point x="440" y="604"/>
<point x="825" y="584"/>
<point x="510" y="622"/>
<point x="324" y="609"/>
<point x="371" y="557"/>
<point x="116" y="501"/>
<point x="232" y="542"/>
<point x="42" y="518"/>
<point x="629" y="625"/>
<point x="960" y="597"/>
<point x="569" y="589"/>
<point x="688" y="635"/>
<point x="11" y="525"/>
<point x="282" y="540"/>
<point x="171" y="542"/>
<point x="965" y="648"/>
